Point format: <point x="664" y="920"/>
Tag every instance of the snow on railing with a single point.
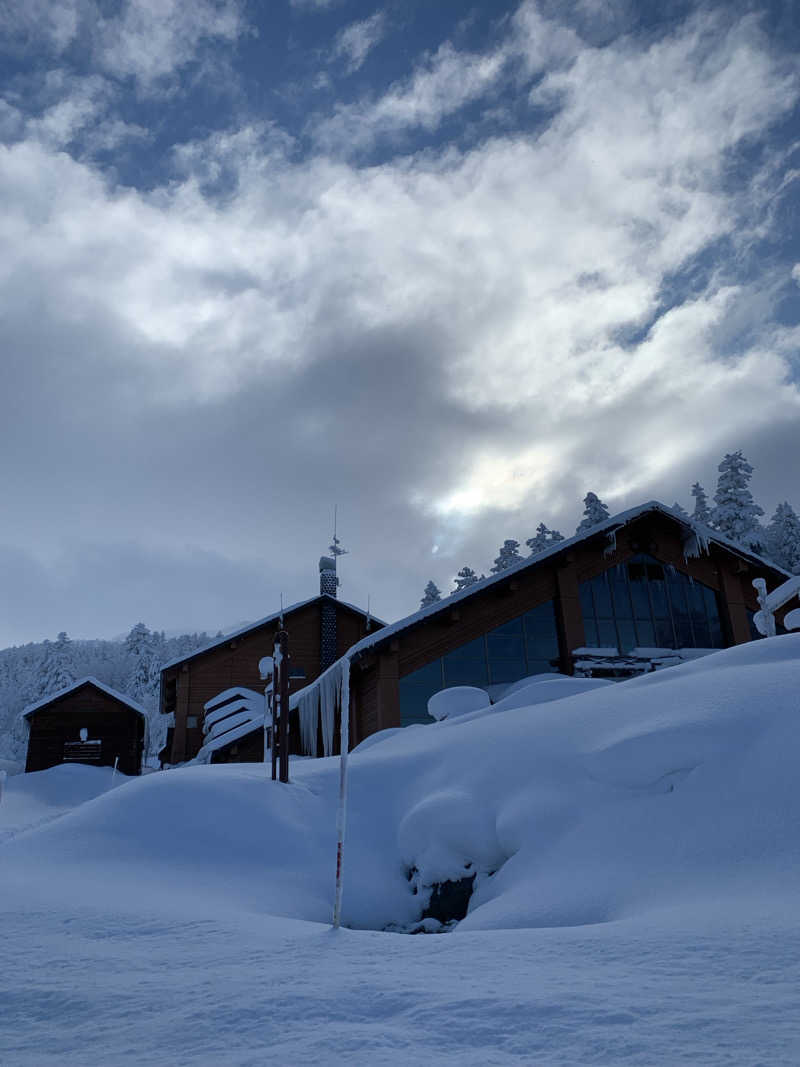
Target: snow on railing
<point x="771" y="602"/>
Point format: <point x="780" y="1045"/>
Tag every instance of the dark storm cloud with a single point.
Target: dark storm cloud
<point x="451" y="346"/>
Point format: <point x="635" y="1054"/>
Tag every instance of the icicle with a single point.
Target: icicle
<point x="695" y="542"/>
<point x="611" y="547"/>
<point x="308" y="713"/>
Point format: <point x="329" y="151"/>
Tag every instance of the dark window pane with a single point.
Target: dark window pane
<point x="627" y="635"/>
<point x="702" y="634"/>
<point x="590" y="627"/>
<point x="464" y="672"/>
<point x="683" y="631"/>
<point x="697" y="604"/>
<point x="664" y="635"/>
<point x="606" y="633"/>
<point x="541" y="632"/>
<point x="415" y="690"/>
<point x="636" y="572"/>
<point x="470" y="651"/>
<point x="710" y="598"/>
<point x="512" y="628"/>
<point x="541" y="666"/>
<point x="541" y="620"/>
<point x="641" y="601"/>
<point x="647" y="634"/>
<point x="505" y="646"/>
<point x="622" y="599"/>
<point x="658" y="594"/>
<point x="655" y="572"/>
<point x="507" y="670"/>
<point x="587" y="604"/>
<point x="602" y="597"/>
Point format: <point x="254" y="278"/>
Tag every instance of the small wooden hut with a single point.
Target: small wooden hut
<point x="87" y="722"/>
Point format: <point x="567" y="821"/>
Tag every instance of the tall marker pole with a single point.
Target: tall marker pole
<point x="341" y="815"/>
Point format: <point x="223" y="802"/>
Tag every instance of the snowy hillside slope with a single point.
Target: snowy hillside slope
<point x="646" y="856"/>
<point x="594" y="807"/>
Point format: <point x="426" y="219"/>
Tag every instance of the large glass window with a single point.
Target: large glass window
<point x="525" y="645"/>
<point x="643" y="604"/>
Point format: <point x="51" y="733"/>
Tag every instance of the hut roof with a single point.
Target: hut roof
<point x="88" y="680"/>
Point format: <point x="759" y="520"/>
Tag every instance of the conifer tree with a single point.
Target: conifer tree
<point x="431" y="596"/>
<point x="544" y="539"/>
<point x="782" y="538"/>
<point x="465" y="578"/>
<point x="58" y="667"/>
<point x="702" y="512"/>
<point x="594" y="512"/>
<point x="144" y="666"/>
<point x="680" y="510"/>
<point x="735" y="514"/>
<point x="507" y="556"/>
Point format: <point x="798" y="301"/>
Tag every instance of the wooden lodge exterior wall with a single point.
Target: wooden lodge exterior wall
<point x="377" y="672"/>
<point x="187" y="686"/>
<point x="118" y="727"/>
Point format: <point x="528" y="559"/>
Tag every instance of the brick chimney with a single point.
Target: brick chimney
<point x="328" y="583"/>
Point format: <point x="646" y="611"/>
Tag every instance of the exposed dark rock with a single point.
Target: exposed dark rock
<point x="449" y="900"/>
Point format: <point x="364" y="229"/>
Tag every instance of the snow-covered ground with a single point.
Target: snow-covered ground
<point x="637" y="860"/>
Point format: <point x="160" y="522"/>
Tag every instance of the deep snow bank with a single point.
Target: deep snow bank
<point x="672" y="788"/>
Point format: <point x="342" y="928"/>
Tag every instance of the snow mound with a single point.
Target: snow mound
<point x="457" y="700"/>
<point x="675" y="789"/>
<point x="29" y="800"/>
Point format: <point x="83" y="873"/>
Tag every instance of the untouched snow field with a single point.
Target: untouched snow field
<point x="636" y="855"/>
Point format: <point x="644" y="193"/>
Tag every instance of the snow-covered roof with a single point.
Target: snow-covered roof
<point x="264" y="622"/>
<point x="704" y="535"/>
<point x="88" y="680"/>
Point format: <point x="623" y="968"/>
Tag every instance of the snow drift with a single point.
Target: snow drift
<point x="673" y="788"/>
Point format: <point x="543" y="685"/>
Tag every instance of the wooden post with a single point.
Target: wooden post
<point x="273" y="734"/>
<point x="282" y="641"/>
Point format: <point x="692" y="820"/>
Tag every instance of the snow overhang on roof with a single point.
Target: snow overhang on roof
<point x="88" y="680"/>
<point x="218" y="641"/>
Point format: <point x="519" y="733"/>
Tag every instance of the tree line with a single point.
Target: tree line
<point x="734" y="515"/>
<point x="132" y="666"/>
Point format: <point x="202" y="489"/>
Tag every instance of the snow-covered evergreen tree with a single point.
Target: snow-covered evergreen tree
<point x="465" y="578"/>
<point x="58" y="667"/>
<point x="508" y="555"/>
<point x="680" y="510"/>
<point x="594" y="512"/>
<point x="431" y="595"/>
<point x="782" y="538"/>
<point x="735" y="513"/>
<point x="544" y="539"/>
<point x="702" y="512"/>
<point x="144" y="666"/>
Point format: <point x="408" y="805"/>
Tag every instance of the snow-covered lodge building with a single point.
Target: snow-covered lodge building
<point x="321" y="630"/>
<point x="646" y="588"/>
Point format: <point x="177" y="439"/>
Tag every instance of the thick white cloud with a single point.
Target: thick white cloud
<point x="436" y="341"/>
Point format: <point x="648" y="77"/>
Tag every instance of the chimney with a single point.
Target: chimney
<point x="328" y="582"/>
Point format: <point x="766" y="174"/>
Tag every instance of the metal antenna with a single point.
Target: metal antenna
<point x="281" y="610"/>
<point x="335" y="548"/>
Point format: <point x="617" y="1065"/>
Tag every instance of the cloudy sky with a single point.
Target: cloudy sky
<point x="447" y="265"/>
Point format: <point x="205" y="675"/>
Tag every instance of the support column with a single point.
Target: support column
<point x="735" y="606"/>
<point x="388" y="690"/>
<point x="568" y="612"/>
